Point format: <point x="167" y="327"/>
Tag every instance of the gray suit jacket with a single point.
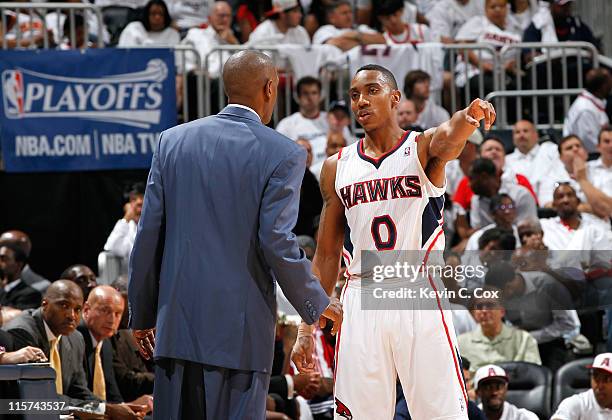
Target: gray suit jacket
<point x="215" y="237"/>
<point x="28" y="330"/>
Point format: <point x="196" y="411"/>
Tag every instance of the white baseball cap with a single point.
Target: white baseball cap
<point x="489" y="372"/>
<point x="602" y="361"/>
<point x="279" y="6"/>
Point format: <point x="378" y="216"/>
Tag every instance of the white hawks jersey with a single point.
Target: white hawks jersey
<point x="389" y="203"/>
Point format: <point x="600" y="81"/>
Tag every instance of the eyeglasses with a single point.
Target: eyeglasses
<point x="558" y="184"/>
<point x="504" y="207"/>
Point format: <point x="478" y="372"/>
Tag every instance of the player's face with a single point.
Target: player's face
<point x="496" y="11"/>
<point x="570" y="149"/>
<point x="493" y="393"/>
<point x="393" y="23"/>
<point x="373" y="101"/>
<point x="491" y="149"/>
<point x="601" y="383"/>
<point x="309" y="98"/>
<point x="524" y="136"/>
<point x="605" y="146"/>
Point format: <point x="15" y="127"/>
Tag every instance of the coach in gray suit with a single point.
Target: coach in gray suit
<point x="213" y="239"/>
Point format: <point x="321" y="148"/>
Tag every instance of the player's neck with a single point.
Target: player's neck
<point x="383" y="139"/>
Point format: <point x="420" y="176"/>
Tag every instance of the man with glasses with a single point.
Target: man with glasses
<point x="503" y="210"/>
<point x="596" y="403"/>
<point x="491" y="383"/>
<point x="493" y="341"/>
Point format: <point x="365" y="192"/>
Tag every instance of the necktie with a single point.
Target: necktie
<point x="99" y="385"/>
<point x="56" y="364"/>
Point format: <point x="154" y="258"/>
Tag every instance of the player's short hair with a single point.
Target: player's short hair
<point x="483" y="166"/>
<point x="413" y="77"/>
<point x="388" y="77"/>
<point x="389" y="7"/>
<point x="306" y="81"/>
<point x="606" y="129"/>
<point x="568" y="138"/>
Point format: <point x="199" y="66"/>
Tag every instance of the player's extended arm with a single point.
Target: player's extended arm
<point x="444" y="143"/>
<point x="326" y="262"/>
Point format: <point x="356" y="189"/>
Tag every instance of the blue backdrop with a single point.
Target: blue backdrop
<point x="90" y="110"/>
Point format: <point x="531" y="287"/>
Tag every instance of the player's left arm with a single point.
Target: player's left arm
<point x="441" y="144"/>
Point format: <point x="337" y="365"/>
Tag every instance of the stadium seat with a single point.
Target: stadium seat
<point x="530" y="387"/>
<point x="572" y="378"/>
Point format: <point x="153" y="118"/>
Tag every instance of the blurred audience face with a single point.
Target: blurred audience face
<point x="156" y="18"/>
<point x="306" y="145"/>
<point x="394" y="23"/>
<point x="10" y="268"/>
<point x="601" y="383"/>
<point x="83" y="276"/>
<point x="406" y="113"/>
<point x="505" y="213"/>
<point x="492" y="149"/>
<point x="496" y="11"/>
<point x="571" y="149"/>
<point x="309" y="99"/>
<point x="531" y="235"/>
<point x="293" y="17"/>
<point x="335" y="142"/>
<point x="565" y="201"/>
<point x="420" y="90"/>
<point x="524" y="136"/>
<point x="604" y="146"/>
<point x="484" y="185"/>
<point x="102" y="312"/>
<point x="492" y="393"/>
<point x="515" y="287"/>
<point x="341" y="17"/>
<point x="61" y="307"/>
<point x="136" y="201"/>
<point x="561" y="11"/>
<point x="337" y="120"/>
<point x="19" y="237"/>
<point x="220" y="17"/>
<point x="488" y="313"/>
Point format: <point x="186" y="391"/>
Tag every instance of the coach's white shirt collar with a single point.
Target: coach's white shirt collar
<point x="247" y="108"/>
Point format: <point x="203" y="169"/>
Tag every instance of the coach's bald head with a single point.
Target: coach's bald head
<point x="250" y="79"/>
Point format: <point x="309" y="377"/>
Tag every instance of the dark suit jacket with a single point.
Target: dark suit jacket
<point x="33" y="279"/>
<point x="132" y="373"/>
<point x="21" y="296"/>
<point x="112" y="390"/>
<point x="6" y="341"/>
<point x="28" y="330"/>
<point x="213" y="239"/>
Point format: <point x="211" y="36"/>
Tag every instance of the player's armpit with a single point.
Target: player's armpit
<point x="326" y="262"/>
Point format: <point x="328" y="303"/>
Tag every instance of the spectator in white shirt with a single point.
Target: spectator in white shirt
<point x="486" y="182"/>
<point x="596" y="403"/>
<point x="587" y="115"/>
<point x="282" y="26"/>
<point x="533" y="160"/>
<point x="340" y="31"/>
<point x="121" y="239"/>
<point x="574" y="158"/>
<point x="396" y="30"/>
<point x="153" y="30"/>
<point x="600" y="170"/>
<point x="447" y="16"/>
<point x="575" y="231"/>
<point x="416" y="88"/>
<point x="491" y="383"/>
<point x="219" y="32"/>
<point x="410" y="13"/>
<point x="522" y="11"/>
<point x="189" y="13"/>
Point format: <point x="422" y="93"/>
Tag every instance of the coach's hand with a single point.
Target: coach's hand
<point x="481" y="110"/>
<point x="333" y="312"/>
<point x="146" y="342"/>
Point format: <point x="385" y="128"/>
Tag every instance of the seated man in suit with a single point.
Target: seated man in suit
<point x="52" y="329"/>
<point x="101" y="316"/>
<point x="28" y="276"/>
<point x="24" y="355"/>
<point x="14" y="292"/>
<point x="83" y="276"/>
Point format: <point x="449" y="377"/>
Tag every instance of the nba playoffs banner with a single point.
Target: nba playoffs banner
<point x="75" y="111"/>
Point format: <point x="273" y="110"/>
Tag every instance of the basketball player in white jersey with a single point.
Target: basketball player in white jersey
<point x="389" y="189"/>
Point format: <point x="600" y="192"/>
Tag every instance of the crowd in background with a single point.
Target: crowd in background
<point x="511" y="208"/>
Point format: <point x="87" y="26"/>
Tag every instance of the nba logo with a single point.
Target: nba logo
<point x="12" y="89"/>
<point x="407" y="151"/>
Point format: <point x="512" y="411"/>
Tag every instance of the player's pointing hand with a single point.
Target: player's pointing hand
<point x="481" y="110"/>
